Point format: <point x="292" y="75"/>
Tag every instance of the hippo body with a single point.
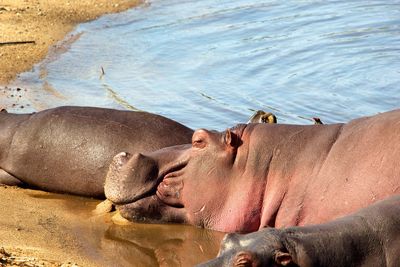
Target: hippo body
<point x="369" y="237"/>
<point x="69" y="149"/>
<point x="258" y="175"/>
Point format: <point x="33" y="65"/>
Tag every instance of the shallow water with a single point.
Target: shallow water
<point x="212" y="63"/>
<point x="108" y="244"/>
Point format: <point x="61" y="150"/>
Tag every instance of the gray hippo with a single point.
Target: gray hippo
<point x="257" y="175"/>
<point x="369" y="237"/>
<point x="69" y="149"/>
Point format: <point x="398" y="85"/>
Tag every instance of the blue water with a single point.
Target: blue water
<point x="212" y="63"/>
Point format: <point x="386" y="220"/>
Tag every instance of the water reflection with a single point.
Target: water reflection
<point x="105" y="243"/>
<point x="161" y="245"/>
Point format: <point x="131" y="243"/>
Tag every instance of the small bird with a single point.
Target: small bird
<point x="317" y="120"/>
<point x="260" y="116"/>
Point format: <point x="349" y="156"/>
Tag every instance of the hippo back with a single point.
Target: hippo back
<point x="69" y="149"/>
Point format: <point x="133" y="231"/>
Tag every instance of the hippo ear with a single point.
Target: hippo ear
<point x="283" y="258"/>
<point x="231" y="139"/>
<point x="245" y="259"/>
<point x="228" y="137"/>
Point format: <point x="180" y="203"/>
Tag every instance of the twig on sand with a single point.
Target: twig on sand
<point x="14" y="259"/>
<point x="17" y="42"/>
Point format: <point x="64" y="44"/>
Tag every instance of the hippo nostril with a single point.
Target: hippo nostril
<point x="121" y="158"/>
<point x="137" y="176"/>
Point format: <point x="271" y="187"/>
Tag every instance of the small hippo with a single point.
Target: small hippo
<point x="369" y="237"/>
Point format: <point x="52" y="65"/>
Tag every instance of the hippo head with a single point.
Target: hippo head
<point x="199" y="184"/>
<point x="266" y="247"/>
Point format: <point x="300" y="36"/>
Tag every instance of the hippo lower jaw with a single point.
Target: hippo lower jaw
<point x="152" y="210"/>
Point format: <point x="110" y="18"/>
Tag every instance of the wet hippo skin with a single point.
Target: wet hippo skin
<point x="369" y="237"/>
<point x="258" y="175"/>
<point x="69" y="149"/>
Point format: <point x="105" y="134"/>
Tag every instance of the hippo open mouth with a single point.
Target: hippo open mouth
<point x="170" y="187"/>
<point x="134" y="177"/>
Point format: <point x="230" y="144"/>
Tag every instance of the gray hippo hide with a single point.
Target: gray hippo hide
<point x="369" y="237"/>
<point x="69" y="149"/>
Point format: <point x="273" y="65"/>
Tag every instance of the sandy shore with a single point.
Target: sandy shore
<point x="43" y="229"/>
<point x="41" y="23"/>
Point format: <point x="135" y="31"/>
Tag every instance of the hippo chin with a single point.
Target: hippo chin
<point x="69" y="149"/>
<point x="369" y="237"/>
<point x="258" y="175"/>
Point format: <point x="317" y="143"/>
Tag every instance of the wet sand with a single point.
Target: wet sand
<point x="37" y="228"/>
<point x="44" y="229"/>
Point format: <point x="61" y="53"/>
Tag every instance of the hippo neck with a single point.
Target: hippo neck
<point x="294" y="155"/>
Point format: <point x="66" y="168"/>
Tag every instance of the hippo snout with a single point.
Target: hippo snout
<point x="130" y="177"/>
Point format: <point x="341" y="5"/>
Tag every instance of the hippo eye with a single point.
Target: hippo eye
<point x="199" y="138"/>
<point x="245" y="259"/>
<point x="199" y="143"/>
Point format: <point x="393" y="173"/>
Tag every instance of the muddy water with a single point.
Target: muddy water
<point x="106" y="243"/>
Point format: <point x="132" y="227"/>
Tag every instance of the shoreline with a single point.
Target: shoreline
<point x="31" y="28"/>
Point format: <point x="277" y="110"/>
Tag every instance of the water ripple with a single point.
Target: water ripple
<point x="212" y="63"/>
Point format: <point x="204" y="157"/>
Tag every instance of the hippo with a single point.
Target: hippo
<point x="369" y="237"/>
<point x="257" y="175"/>
<point x="69" y="149"/>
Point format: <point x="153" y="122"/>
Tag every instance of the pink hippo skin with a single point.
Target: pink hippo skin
<point x="258" y="175"/>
